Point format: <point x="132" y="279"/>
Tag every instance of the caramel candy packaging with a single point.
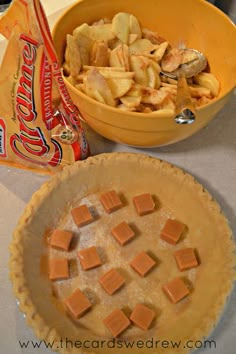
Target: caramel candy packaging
<point x="39" y="124"/>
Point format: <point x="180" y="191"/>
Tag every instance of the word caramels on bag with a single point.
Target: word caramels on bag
<point x="39" y="124"/>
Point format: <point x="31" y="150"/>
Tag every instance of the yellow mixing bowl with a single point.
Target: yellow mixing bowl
<point x="196" y="22"/>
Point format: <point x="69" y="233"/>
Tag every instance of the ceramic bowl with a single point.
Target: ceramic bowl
<point x="196" y="22"/>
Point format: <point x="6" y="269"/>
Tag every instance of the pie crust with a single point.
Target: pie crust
<point x="177" y="195"/>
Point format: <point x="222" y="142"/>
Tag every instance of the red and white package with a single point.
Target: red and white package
<point x="39" y="124"/>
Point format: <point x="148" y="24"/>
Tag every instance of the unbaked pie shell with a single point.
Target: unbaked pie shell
<point x="177" y="195"/>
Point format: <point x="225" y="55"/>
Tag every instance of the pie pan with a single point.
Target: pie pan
<point x="177" y="195"/>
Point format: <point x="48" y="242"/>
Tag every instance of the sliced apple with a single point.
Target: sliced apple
<point x="139" y="66"/>
<point x="134" y="27"/>
<point x="99" y="55"/>
<point x="152" y="96"/>
<point x="102" y="32"/>
<point x="130" y="101"/>
<point x="120" y="26"/>
<point x="73" y="54"/>
<point x="142" y="46"/>
<point x="97" y="87"/>
<point x="209" y="81"/>
<point x="119" y="87"/>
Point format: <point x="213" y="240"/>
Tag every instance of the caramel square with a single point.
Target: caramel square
<point x="123" y="233"/>
<point x="186" y="258"/>
<point x="110" y="201"/>
<point x="58" y="268"/>
<point x="61" y="239"/>
<point x="176" y="290"/>
<point x="144" y="204"/>
<point x="117" y="322"/>
<point x="142" y="263"/>
<point x="142" y="316"/>
<point x="78" y="303"/>
<point x="112" y="281"/>
<point x="82" y="215"/>
<point x="89" y="258"/>
<point x="172" y="231"/>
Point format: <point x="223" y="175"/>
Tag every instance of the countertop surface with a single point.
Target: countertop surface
<point x="210" y="156"/>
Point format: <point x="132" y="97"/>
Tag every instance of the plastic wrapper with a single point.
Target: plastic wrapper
<point x="39" y="124"/>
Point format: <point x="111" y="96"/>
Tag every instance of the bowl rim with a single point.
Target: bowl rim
<point x="162" y="113"/>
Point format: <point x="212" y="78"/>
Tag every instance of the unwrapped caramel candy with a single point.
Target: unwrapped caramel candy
<point x="89" y="258"/>
<point x="186" y="258"/>
<point x="176" y="290"/>
<point x="117" y="322"/>
<point x="142" y="316"/>
<point x="111" y="201"/>
<point x="123" y="233"/>
<point x="58" y="269"/>
<point x="112" y="281"/>
<point x="61" y="239"/>
<point x="172" y="231"/>
<point x="142" y="263"/>
<point x="82" y="215"/>
<point x="144" y="204"/>
<point x="78" y="303"/>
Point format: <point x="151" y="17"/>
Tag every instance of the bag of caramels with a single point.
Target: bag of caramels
<point x="39" y="125"/>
